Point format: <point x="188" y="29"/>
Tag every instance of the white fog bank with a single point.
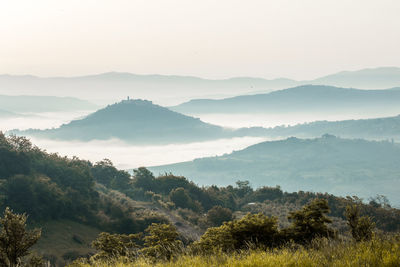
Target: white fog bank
<point x="126" y="156"/>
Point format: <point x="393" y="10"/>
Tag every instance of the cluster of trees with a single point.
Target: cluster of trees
<point x="253" y="231"/>
<point x="192" y="201"/>
<point x="48" y="186"/>
<point x="162" y="241"/>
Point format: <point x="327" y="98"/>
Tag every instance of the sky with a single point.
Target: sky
<point x="300" y="39"/>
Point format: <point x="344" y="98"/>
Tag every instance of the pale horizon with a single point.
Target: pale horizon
<point x="299" y="40"/>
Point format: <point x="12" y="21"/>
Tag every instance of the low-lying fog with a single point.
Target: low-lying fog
<point x="125" y="156"/>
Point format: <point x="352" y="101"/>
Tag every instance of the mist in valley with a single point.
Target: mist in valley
<point x="128" y="156"/>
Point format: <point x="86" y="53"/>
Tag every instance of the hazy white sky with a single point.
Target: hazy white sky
<point x="299" y="39"/>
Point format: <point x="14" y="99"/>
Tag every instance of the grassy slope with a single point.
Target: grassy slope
<point x="373" y="253"/>
<point x="62" y="239"/>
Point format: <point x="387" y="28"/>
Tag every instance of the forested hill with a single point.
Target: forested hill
<point x="307" y="98"/>
<point x="135" y="121"/>
<point x="48" y="187"/>
<point x="326" y="164"/>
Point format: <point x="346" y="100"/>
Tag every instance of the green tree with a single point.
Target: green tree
<point x="310" y="222"/>
<point x="143" y="178"/>
<point x="161" y="242"/>
<point x="15" y="239"/>
<point x="105" y="173"/>
<point x="361" y="227"/>
<point x="180" y="197"/>
<point x="218" y="215"/>
<point x="113" y="246"/>
<point x="243" y="188"/>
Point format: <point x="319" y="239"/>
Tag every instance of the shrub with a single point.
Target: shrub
<point x="310" y="222"/>
<point x="361" y="227"/>
<point x="218" y="215"/>
<point x="113" y="246"/>
<point x="161" y="242"/>
<point x="15" y="239"/>
<point x="252" y="230"/>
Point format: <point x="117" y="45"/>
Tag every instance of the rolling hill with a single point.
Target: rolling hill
<point x="307" y="98"/>
<point x="137" y="121"/>
<point x="325" y="164"/>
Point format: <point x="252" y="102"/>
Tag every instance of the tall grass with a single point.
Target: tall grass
<point x="377" y="252"/>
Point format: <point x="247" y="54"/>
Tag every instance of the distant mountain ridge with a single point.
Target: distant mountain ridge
<point x="325" y="164"/>
<point x="305" y="98"/>
<point x="165" y="89"/>
<point x="102" y="88"/>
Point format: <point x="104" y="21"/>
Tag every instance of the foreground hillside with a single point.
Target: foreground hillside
<point x="326" y="164"/>
<point x="57" y="192"/>
<point x="73" y="200"/>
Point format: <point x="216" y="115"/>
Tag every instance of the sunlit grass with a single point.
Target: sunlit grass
<point x="377" y="252"/>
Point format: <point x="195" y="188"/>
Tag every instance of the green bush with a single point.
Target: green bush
<point x="161" y="242"/>
<point x="252" y="230"/>
<point x="218" y="215"/>
<point x="310" y="222"/>
<point x="361" y="227"/>
<point x="113" y="246"/>
<point x="15" y="239"/>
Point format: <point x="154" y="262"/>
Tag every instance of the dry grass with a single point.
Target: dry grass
<point x="377" y="252"/>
